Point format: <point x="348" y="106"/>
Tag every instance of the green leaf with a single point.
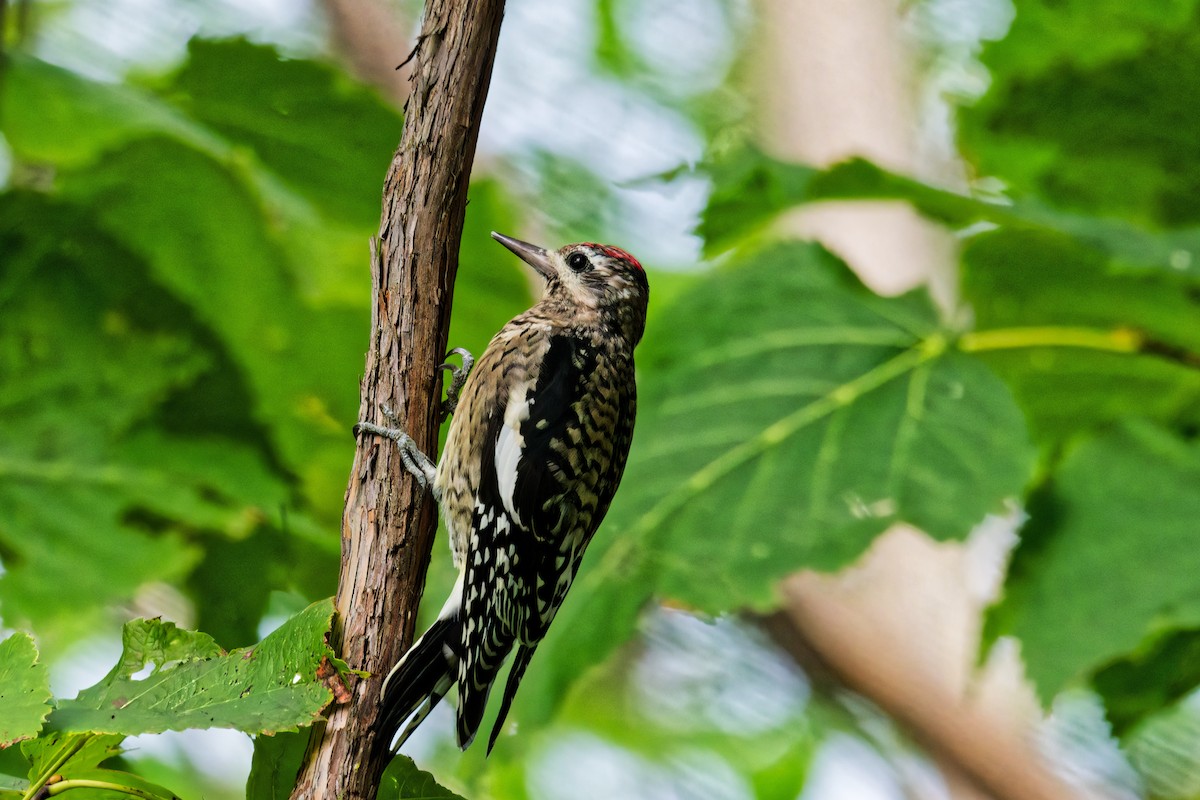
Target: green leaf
<point x="800" y="417"/>
<point x="89" y="511"/>
<point x="1031" y="280"/>
<point x="208" y="244"/>
<point x="583" y="202"/>
<point x="24" y="690"/>
<point x="751" y="189"/>
<point x="76" y="757"/>
<point x="124" y="433"/>
<point x="1121" y="506"/>
<point x="252" y="564"/>
<point x="1096" y="116"/>
<point x="59" y="751"/>
<point x="12" y="788"/>
<point x="247" y="243"/>
<point x="858" y="179"/>
<point x="319" y="132"/>
<point x="313" y="144"/>
<point x="806" y="400"/>
<point x="1149" y="679"/>
<point x="160" y="644"/>
<point x="13" y="762"/>
<point x="209" y="226"/>
<point x="613" y="53"/>
<point x="1046" y="35"/>
<point x="1128" y="248"/>
<point x="1165" y="750"/>
<point x="277" y="685"/>
<point x="403" y="781"/>
<point x="233" y="277"/>
<point x="1024" y="278"/>
<point x="276" y="762"/>
<point x="49" y="114"/>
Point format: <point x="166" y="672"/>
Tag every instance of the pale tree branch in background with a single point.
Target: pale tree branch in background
<point x="835" y="80"/>
<point x="908" y="646"/>
<point x="372" y="39"/>
<point x="388" y="525"/>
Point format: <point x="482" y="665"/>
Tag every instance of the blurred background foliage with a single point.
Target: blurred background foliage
<point x="186" y="194"/>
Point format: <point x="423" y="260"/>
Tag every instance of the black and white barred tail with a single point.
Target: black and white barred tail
<point x="419" y="680"/>
<point x="435" y="663"/>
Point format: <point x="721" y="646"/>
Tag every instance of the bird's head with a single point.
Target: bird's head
<point x="595" y="279"/>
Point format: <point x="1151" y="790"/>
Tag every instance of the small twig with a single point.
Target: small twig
<point x="411" y="54"/>
<point x="86" y="783"/>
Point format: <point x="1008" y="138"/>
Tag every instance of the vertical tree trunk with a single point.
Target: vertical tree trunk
<point x="388" y="526"/>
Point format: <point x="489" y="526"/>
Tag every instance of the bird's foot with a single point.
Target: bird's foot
<point x="416" y="462"/>
<point x="458" y="379"/>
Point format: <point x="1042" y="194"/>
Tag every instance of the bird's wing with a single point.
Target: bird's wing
<point x="544" y="486"/>
<point x="485" y="631"/>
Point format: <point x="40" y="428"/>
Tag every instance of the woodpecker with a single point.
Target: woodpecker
<point x="534" y="454"/>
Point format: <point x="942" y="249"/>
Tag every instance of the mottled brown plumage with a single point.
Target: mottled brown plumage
<point x="533" y="458"/>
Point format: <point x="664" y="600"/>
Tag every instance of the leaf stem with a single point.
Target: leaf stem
<point x="74" y="744"/>
<point x="1117" y="340"/>
<point x="87" y="783"/>
<point x="840" y="397"/>
<point x="700" y="481"/>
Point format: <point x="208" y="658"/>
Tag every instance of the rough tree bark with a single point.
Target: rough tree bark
<point x="388" y="527"/>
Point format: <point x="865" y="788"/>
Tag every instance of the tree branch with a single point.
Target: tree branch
<point x="843" y="641"/>
<point x="371" y="38"/>
<point x="388" y="527"/>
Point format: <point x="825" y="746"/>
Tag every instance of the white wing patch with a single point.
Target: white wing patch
<point x="453" y="603"/>
<point x="509" y="446"/>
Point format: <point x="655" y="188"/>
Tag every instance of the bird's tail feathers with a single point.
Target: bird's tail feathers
<point x="475" y="680"/>
<point x="420" y="679"/>
<point x="524" y="655"/>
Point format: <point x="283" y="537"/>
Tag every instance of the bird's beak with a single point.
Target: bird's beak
<point x="531" y="254"/>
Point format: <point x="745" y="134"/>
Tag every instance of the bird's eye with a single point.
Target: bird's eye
<point x="579" y="262"/>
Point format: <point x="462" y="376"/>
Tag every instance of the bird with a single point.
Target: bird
<point x="537" y="445"/>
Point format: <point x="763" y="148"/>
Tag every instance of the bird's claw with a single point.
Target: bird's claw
<point x="417" y="463"/>
<point x="458" y="378"/>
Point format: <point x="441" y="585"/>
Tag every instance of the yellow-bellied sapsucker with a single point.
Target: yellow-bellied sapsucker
<point x="534" y="455"/>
